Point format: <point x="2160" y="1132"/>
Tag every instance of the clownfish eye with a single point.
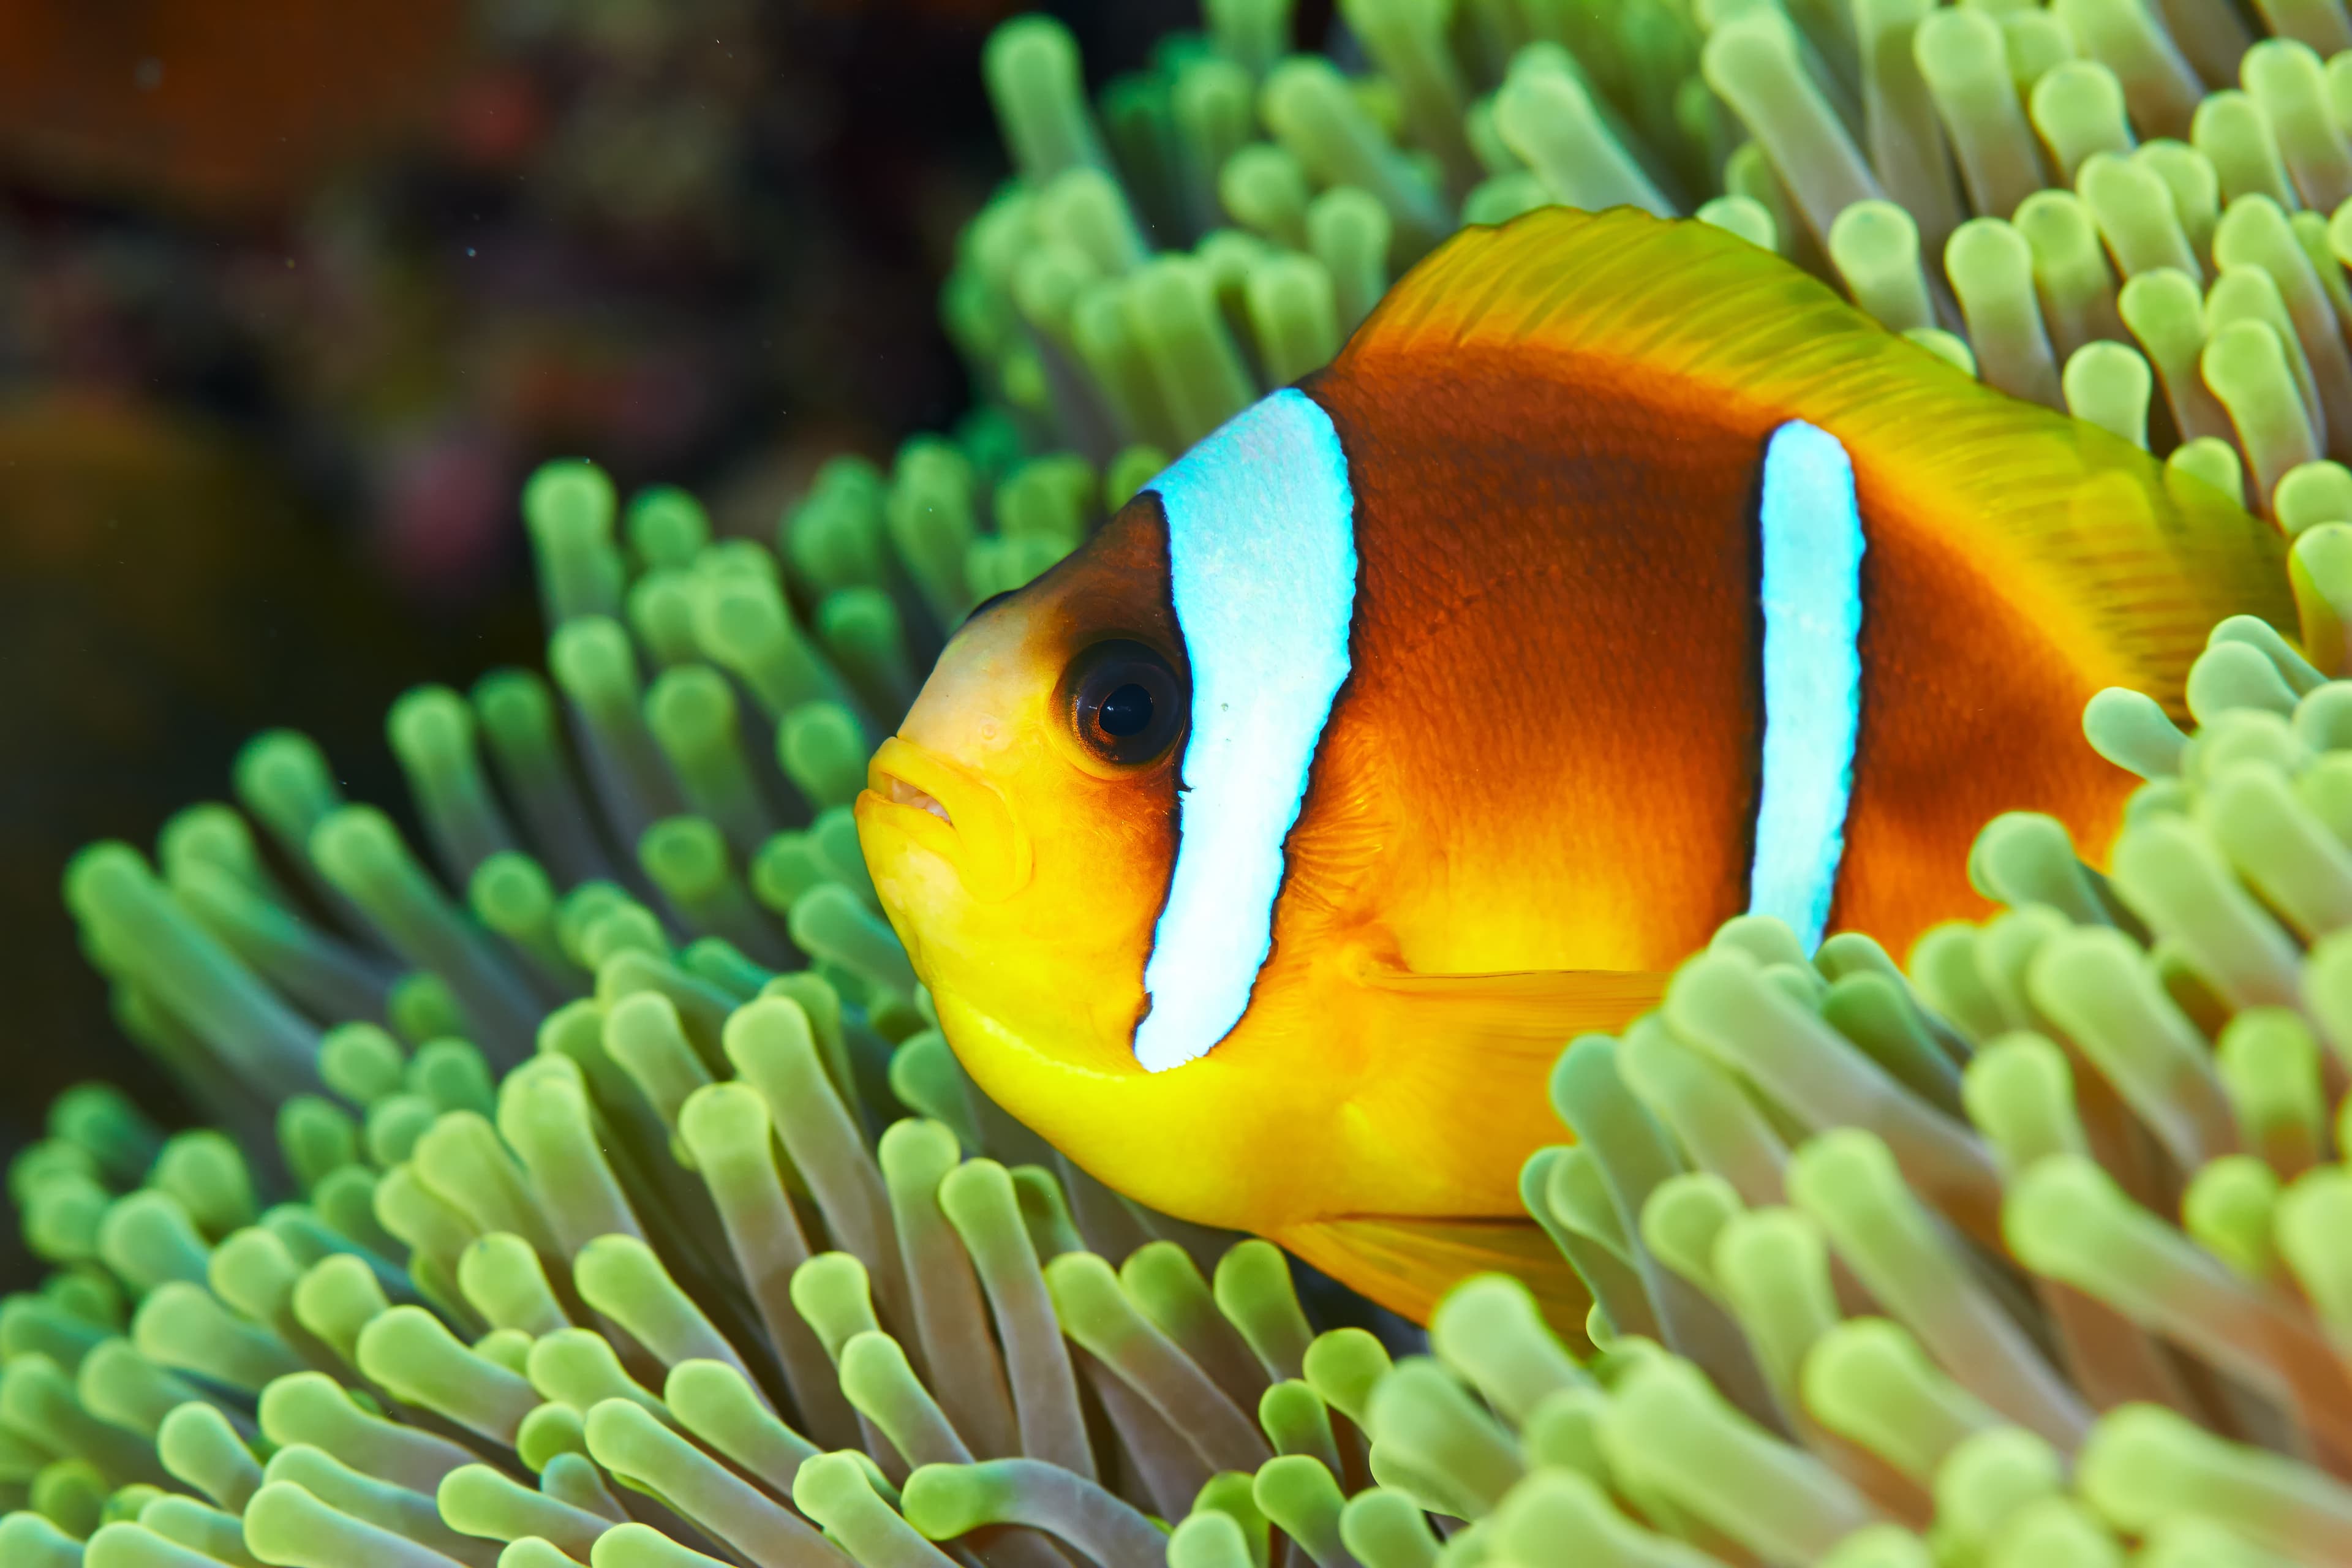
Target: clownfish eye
<point x="1126" y="703"/>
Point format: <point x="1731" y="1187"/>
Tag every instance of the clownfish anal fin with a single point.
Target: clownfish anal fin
<point x="1407" y="1263"/>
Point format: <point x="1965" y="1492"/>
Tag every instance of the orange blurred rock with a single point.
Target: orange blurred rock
<point x="216" y="104"/>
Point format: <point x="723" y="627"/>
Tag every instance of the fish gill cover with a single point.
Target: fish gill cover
<point x="562" y="1203"/>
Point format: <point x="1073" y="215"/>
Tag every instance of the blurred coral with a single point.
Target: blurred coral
<point x="411" y="254"/>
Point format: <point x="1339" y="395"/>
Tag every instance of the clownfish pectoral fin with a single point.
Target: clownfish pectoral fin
<point x="1407" y="1263"/>
<point x="1541" y="1009"/>
<point x="1463" y="1066"/>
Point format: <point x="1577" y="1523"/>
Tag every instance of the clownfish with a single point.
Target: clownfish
<point x="1616" y="579"/>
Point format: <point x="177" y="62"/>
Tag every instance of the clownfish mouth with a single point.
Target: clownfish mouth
<point x="945" y="808"/>
<point x="901" y="793"/>
<point x="904" y="778"/>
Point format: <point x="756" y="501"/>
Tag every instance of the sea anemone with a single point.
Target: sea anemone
<point x="2113" y="207"/>
<point x="564" y="1206"/>
<point x="1882" y="1263"/>
<point x="2027" y="1253"/>
<point x="635" y="1143"/>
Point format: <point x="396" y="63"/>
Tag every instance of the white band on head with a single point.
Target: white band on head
<point x="1262" y="561"/>
<point x="1812" y="591"/>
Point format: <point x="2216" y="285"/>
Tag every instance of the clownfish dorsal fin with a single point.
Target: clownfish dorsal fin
<point x="2121" y="561"/>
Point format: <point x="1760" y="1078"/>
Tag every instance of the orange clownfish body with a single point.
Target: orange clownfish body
<point x="1616" y="579"/>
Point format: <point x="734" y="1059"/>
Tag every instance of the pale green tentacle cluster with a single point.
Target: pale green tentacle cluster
<point x="2031" y="1251"/>
<point x="565" y="1197"/>
<point x="2037" y="1250"/>
<point x="2132" y="211"/>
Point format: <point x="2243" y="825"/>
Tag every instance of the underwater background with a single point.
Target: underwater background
<point x="535" y="1149"/>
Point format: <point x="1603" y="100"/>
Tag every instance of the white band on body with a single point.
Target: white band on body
<point x="1811" y="589"/>
<point x="1262" y="561"/>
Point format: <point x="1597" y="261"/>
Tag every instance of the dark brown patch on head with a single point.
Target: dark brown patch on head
<point x="1115" y="585"/>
